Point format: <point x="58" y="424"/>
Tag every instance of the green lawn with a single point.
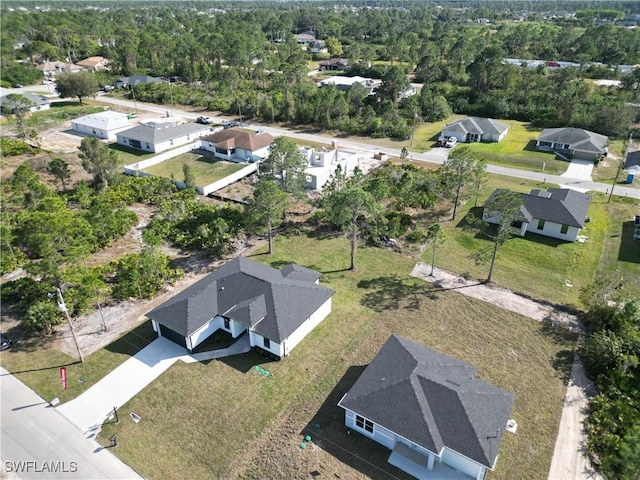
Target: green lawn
<point x="130" y="155"/>
<point x="537" y="265"/>
<point x="205" y="168"/>
<point x="205" y="420"/>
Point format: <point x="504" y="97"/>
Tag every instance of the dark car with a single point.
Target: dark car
<point x="231" y="124"/>
<point x="5" y="342"/>
<point x="636" y="221"/>
<point x="441" y="141"/>
<point x="17" y="85"/>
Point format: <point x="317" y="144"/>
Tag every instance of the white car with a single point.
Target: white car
<point x="451" y="141"/>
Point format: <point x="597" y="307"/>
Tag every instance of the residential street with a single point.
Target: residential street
<point x="37" y="442"/>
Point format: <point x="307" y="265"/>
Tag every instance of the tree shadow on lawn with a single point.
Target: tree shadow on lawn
<point x="243" y="362"/>
<point x="565" y="335"/>
<point x="391" y="293"/>
<point x="328" y="431"/>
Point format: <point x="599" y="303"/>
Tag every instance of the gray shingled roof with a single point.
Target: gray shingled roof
<point x="558" y="205"/>
<point x="154" y="133"/>
<point x="274" y="302"/>
<point x="577" y="139"/>
<point x="479" y="125"/>
<point x="432" y="400"/>
<point x="35" y="99"/>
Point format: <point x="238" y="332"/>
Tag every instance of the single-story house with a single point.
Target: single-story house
<point x="136" y="80"/>
<point x="576" y="142"/>
<point x="555" y="212"/>
<point x="476" y="129"/>
<point x="94" y="64"/>
<point x="632" y="161"/>
<point x="318" y="46"/>
<point x="102" y="124"/>
<point x="322" y="165"/>
<point x="429" y="410"/>
<point x="38" y="102"/>
<point x="278" y="308"/>
<point x="304" y="38"/>
<point x="53" y="68"/>
<point x="344" y="83"/>
<point x="158" y="137"/>
<point x="334" y="64"/>
<point x="237" y="145"/>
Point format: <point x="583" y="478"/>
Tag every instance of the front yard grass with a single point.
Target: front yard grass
<point x="204" y="167"/>
<point x="537" y="265"/>
<point x="205" y="420"/>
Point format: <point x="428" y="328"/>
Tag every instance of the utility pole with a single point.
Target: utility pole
<point x="620" y="163"/>
<point x="63" y="307"/>
<point x="133" y="91"/>
<point x="413" y="131"/>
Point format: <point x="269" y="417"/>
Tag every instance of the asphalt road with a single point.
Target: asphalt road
<point x="37" y="442"/>
<point x="435" y="155"/>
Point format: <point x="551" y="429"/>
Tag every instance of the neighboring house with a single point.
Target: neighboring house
<point x="102" y="124"/>
<point x="429" y="410"/>
<point x="577" y="142"/>
<point x="237" y="145"/>
<point x="632" y="162"/>
<point x="344" y="83"/>
<point x="94" y="64"/>
<point x="476" y="129"/>
<point x="158" y="137"/>
<point x="322" y="165"/>
<point x="136" y="80"/>
<point x="556" y="212"/>
<point x="53" y="68"/>
<point x="334" y="64"/>
<point x="38" y="102"/>
<point x="305" y="38"/>
<point x="318" y="47"/>
<point x="277" y="307"/>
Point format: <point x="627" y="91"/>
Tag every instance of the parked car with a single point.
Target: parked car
<point x="636" y="221"/>
<point x="230" y="124"/>
<point x="204" y="120"/>
<point x="441" y="141"/>
<point x="108" y="88"/>
<point x="636" y="234"/>
<point x="17" y="85"/>
<point x="5" y="342"/>
<point x="451" y="141"/>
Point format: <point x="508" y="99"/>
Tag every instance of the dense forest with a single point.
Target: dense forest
<point x="245" y="60"/>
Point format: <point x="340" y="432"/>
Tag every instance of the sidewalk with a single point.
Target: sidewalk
<point x="89" y="410"/>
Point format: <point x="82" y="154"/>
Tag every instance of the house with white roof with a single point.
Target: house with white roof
<point x="344" y="83"/>
<point x="102" y="124"/>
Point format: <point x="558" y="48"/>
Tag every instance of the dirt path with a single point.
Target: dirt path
<point x="569" y="460"/>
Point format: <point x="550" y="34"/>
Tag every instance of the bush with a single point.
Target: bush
<point x="42" y="317"/>
<point x="11" y="147"/>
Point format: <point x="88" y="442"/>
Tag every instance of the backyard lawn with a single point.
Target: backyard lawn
<point x="222" y="419"/>
<point x="130" y="155"/>
<point x="204" y="167"/>
<point x="541" y="266"/>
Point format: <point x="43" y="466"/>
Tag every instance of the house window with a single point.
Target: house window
<point x="266" y="342"/>
<point x="148" y="146"/>
<point x="135" y="143"/>
<point x="364" y="424"/>
<point x="227" y="324"/>
<point x="516" y="224"/>
<point x="540" y="224"/>
<point x="564" y="229"/>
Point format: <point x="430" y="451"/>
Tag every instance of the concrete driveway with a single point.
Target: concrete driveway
<point x="580" y="170"/>
<point x="89" y="410"/>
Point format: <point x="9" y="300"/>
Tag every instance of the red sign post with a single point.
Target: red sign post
<point x="63" y="377"/>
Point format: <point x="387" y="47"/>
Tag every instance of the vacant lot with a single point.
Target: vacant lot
<point x="221" y="419"/>
<point x="205" y="168"/>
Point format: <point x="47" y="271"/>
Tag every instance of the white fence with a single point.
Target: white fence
<point x="136" y="169"/>
<point x="228" y="180"/>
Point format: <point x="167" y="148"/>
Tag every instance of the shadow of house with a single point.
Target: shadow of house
<point x="328" y="431"/>
<point x="629" y="248"/>
<point x="134" y="340"/>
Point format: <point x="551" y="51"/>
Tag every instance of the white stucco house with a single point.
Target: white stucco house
<point x="555" y="212"/>
<point x="577" y="143"/>
<point x="322" y="165"/>
<point x="102" y="124"/>
<point x="476" y="129"/>
<point x="237" y="145"/>
<point x="438" y="421"/>
<point x="158" y="137"/>
<point x="344" y="83"/>
<point x="277" y="308"/>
